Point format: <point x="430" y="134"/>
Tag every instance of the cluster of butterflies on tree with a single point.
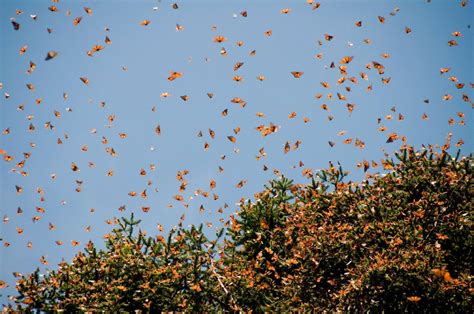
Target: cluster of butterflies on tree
<point x="373" y="74"/>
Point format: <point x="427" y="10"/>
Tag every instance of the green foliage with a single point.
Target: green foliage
<point x="401" y="241"/>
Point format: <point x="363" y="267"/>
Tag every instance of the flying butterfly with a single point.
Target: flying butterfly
<point x="174" y="75"/>
<point x="16" y="26"/>
<point x="297" y="74"/>
<point x="219" y="39"/>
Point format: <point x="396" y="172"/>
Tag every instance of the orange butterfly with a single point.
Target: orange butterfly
<point x="77" y="20"/>
<point x="23" y="49"/>
<point x="413" y="298"/>
<point x="88" y="10"/>
<point x="346" y="59"/>
<point x="297" y="74"/>
<point x="452" y="43"/>
<point x="219" y="39"/>
<point x="174" y="75"/>
<point x="238" y="65"/>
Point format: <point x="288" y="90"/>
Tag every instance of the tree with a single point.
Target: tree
<point x="399" y="241"/>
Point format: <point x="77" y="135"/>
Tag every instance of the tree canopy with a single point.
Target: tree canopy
<point x="398" y="241"/>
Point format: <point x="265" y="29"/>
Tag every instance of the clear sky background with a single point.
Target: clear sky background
<point x="150" y="53"/>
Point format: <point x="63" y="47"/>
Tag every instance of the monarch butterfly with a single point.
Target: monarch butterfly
<point x="414" y="298"/>
<point x="381" y="19"/>
<point x="23" y="50"/>
<point x="268" y="33"/>
<point x="297" y="74"/>
<point x="328" y="37"/>
<point x="219" y="39"/>
<point x="358" y="24"/>
<point x="88" y="10"/>
<point x="392" y="137"/>
<point x="346" y="60"/>
<point x="84" y="80"/>
<point x="452" y="43"/>
<point x="43" y="260"/>
<point x="184" y="97"/>
<point x="442" y="273"/>
<point x="53" y="8"/>
<point x="16" y="26"/>
<point x="212" y="133"/>
<point x="77" y="20"/>
<point x="145" y="23"/>
<point x="285" y="11"/>
<point x="407" y="30"/>
<point x="212" y="184"/>
<point x="341" y="97"/>
<point x="232" y="138"/>
<point x="238" y="65"/>
<point x="96" y="48"/>
<point x="107" y="40"/>
<point x="174" y="75"/>
<point x="241" y="184"/>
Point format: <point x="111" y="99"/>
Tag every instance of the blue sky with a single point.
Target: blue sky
<point x="150" y="52"/>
